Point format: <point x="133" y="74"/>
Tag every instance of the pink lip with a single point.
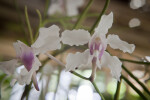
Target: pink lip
<point x="27" y="59"/>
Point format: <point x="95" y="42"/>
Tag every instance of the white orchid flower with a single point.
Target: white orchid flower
<point x="68" y="7"/>
<point x="97" y="46"/>
<point x="48" y="40"/>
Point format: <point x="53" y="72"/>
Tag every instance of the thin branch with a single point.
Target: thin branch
<point x="46" y="7"/>
<point x="80" y="19"/>
<point x="133" y="87"/>
<point x="28" y="24"/>
<point x="58" y="79"/>
<point x="40" y="24"/>
<point x="56" y="60"/>
<point x="131" y="75"/>
<point x="133" y="61"/>
<point x="54" y="19"/>
<point x="73" y="72"/>
<point x="95" y="86"/>
<point x="26" y="91"/>
<point x="116" y="97"/>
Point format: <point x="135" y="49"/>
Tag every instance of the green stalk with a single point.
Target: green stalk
<point x="52" y="19"/>
<point x="58" y="79"/>
<point x="46" y="7"/>
<point x="135" y="78"/>
<point x="116" y="97"/>
<point x="28" y="24"/>
<point x="63" y="24"/>
<point x="99" y="18"/>
<point x="80" y="19"/>
<point x="40" y="24"/>
<point x="26" y="92"/>
<point x="133" y="87"/>
<point x="95" y="86"/>
<point x="137" y="62"/>
<point x="73" y="72"/>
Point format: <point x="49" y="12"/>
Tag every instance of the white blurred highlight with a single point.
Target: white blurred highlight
<point x="135" y="4"/>
<point x="49" y="96"/>
<point x="85" y="92"/>
<point x="134" y="22"/>
<point x="17" y="91"/>
<point x="138" y="73"/>
<point x="72" y="94"/>
<point x="96" y="96"/>
<point x="19" y="69"/>
<point x="148" y="58"/>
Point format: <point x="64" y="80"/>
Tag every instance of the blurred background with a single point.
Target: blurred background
<point x="131" y="23"/>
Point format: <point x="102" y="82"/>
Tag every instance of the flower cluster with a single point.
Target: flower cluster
<point x="97" y="46"/>
<point x="49" y="39"/>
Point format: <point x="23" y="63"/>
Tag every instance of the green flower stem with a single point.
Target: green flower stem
<point x="2" y="79"/>
<point x="95" y="86"/>
<point x="137" y="62"/>
<point x="40" y="17"/>
<point x="63" y="24"/>
<point x="116" y="97"/>
<point x="99" y="18"/>
<point x="62" y="64"/>
<point x="40" y="24"/>
<point x="135" y="78"/>
<point x="58" y="80"/>
<point x="133" y="87"/>
<point x="80" y="19"/>
<point x="54" y="19"/>
<point x="73" y="72"/>
<point x="26" y="92"/>
<point x="28" y="24"/>
<point x="46" y="7"/>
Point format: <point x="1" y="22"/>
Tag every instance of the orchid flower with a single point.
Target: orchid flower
<point x="69" y="7"/>
<point x="48" y="40"/>
<point x="97" y="44"/>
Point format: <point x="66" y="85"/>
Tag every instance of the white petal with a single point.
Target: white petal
<point x="105" y="24"/>
<point x="77" y="60"/>
<point x="115" y="42"/>
<point x="96" y="54"/>
<point x="9" y="67"/>
<point x="72" y="6"/>
<point x="55" y="7"/>
<point x="18" y="49"/>
<point x="35" y="82"/>
<point x="24" y="54"/>
<point x="48" y="40"/>
<point x="24" y="77"/>
<point x="113" y="63"/>
<point x="75" y="37"/>
<point x="21" y="48"/>
<point x="98" y="63"/>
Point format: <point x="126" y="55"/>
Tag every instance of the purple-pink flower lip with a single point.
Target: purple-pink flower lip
<point x="27" y="59"/>
<point x="95" y="45"/>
